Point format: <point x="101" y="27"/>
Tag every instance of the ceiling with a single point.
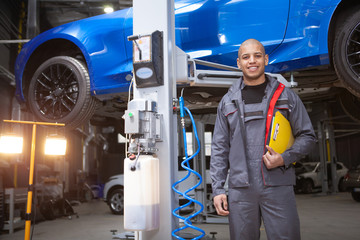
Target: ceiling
<point x="56" y="12"/>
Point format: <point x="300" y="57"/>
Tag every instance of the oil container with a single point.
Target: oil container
<point x="141" y="193"/>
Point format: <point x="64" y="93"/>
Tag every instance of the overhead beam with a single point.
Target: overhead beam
<point x="89" y="1"/>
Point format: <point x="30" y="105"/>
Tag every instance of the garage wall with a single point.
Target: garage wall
<point x="6" y="96"/>
<point x="10" y="30"/>
<point x="348" y="150"/>
<point x="4" y="34"/>
<point x="347" y="147"/>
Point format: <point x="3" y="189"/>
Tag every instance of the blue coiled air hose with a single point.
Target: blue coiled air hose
<point x="185" y="164"/>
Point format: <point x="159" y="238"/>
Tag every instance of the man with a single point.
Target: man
<point x="260" y="179"/>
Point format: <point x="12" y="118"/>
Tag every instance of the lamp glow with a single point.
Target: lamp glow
<point x="108" y="9"/>
<point x="11" y="144"/>
<point x="55" y="146"/>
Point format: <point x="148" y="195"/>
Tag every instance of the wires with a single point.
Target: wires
<point x="134" y="165"/>
<point x="127" y="137"/>
<point x="185" y="164"/>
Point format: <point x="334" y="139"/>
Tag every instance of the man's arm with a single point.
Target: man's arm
<point x="302" y="130"/>
<point x="220" y="148"/>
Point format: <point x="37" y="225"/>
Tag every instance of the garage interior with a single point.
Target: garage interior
<point x="95" y="150"/>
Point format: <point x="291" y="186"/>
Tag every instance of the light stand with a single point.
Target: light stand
<point x="31" y="170"/>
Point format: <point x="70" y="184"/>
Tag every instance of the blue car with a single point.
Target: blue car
<point x="73" y="71"/>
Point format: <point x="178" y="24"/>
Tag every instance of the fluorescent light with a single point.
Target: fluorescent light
<point x="11" y="144"/>
<point x="55" y="146"/>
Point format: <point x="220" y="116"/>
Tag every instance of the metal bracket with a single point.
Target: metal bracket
<point x="221" y="76"/>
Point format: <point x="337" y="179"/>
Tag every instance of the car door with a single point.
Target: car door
<point x="213" y="30"/>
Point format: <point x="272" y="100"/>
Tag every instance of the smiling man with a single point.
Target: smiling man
<point x="252" y="61"/>
<point x="260" y="179"/>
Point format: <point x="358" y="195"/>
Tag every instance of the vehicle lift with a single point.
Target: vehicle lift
<point x="150" y="120"/>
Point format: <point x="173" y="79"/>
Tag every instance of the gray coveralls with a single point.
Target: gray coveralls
<point x="254" y="191"/>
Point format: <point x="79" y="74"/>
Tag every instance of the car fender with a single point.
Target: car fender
<point x="306" y="39"/>
<point x="95" y="53"/>
<point x="114" y="182"/>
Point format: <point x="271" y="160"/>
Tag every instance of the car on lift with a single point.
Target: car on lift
<point x="73" y="71"/>
<point x="352" y="183"/>
<point x="308" y="176"/>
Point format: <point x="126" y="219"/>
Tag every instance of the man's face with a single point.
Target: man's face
<point x="252" y="61"/>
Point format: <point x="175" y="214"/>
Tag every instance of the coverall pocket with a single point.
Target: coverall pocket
<point x="231" y="113"/>
<point x="230" y="109"/>
<point x="250" y="116"/>
<point x="282" y="105"/>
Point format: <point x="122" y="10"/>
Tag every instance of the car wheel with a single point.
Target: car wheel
<point x="307" y="186"/>
<point x="346" y="57"/>
<point x="341" y="186"/>
<point x="116" y="201"/>
<point x="59" y="91"/>
<point x="356" y="196"/>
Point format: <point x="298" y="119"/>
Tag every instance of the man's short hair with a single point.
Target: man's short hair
<point x="251" y="41"/>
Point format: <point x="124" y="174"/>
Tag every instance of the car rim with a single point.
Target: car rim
<point x="56" y="91"/>
<point x="353" y="50"/>
<point x="117" y="202"/>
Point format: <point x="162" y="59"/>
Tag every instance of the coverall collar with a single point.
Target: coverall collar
<point x="239" y="85"/>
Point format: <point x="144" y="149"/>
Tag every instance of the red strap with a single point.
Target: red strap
<point x="270" y="112"/>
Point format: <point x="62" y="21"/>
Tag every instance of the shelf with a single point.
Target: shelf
<point x="14" y="196"/>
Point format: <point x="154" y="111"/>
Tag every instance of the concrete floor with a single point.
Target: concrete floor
<point x="330" y="217"/>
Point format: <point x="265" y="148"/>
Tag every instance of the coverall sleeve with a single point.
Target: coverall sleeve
<point x="220" y="148"/>
<point x="302" y="130"/>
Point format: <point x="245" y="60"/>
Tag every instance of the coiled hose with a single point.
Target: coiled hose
<point x="185" y="164"/>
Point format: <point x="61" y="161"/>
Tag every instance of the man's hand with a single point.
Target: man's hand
<point x="221" y="205"/>
<point x="272" y="159"/>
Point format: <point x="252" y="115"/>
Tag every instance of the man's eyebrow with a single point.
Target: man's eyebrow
<point x="250" y="53"/>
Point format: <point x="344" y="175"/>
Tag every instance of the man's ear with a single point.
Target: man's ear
<point x="266" y="59"/>
<point x="238" y="63"/>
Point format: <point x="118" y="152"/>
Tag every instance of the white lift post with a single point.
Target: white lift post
<point x="149" y="16"/>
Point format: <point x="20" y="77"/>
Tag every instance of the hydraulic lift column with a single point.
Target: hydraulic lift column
<point x="151" y="16"/>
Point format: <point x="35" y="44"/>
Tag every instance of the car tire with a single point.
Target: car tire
<point x="116" y="201"/>
<point x="345" y="50"/>
<point x="59" y="91"/>
<point x="356" y="196"/>
<point x="307" y="186"/>
<point x="341" y="186"/>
